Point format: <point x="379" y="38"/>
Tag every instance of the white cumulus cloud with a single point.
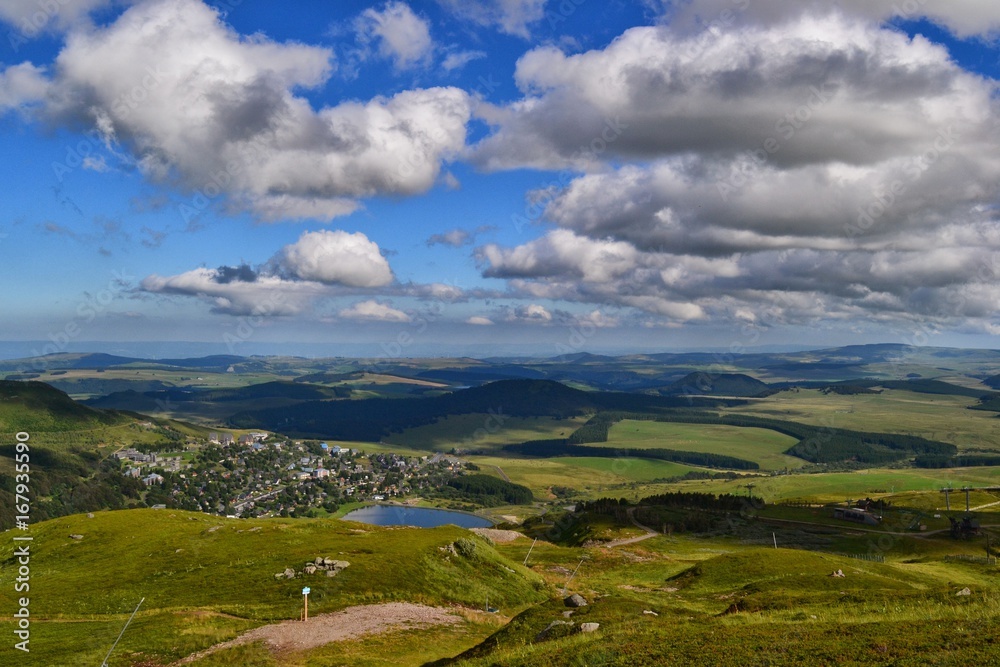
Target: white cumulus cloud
<point x="219" y="113"/>
<point x="374" y="311"/>
<point x="402" y="36"/>
<point x="22" y="85"/>
<point x="336" y="257"/>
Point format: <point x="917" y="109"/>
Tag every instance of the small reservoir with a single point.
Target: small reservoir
<point x="421" y="517"/>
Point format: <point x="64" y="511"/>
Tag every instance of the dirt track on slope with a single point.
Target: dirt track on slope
<point x="349" y="623"/>
<point x="632" y="540"/>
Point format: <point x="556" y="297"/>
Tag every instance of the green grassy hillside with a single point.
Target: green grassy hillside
<point x="205" y="579"/>
<point x="763" y="446"/>
<point x="715" y="603"/>
<point x="35" y="407"/>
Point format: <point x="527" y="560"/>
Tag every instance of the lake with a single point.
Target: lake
<point x="422" y="517"/>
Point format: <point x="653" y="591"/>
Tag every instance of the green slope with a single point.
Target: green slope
<point x="35" y="407"/>
<point x="190" y="565"/>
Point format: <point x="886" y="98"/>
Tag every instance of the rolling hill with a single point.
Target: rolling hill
<point x="36" y="407"/>
<point x="206" y="579"/>
<point x="717" y="384"/>
<point x="370" y="420"/>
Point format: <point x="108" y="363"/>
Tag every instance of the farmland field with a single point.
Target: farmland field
<point x="837" y="486"/>
<point x="594" y="475"/>
<point x="932" y="416"/>
<point x="764" y="446"/>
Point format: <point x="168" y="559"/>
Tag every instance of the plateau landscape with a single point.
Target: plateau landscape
<point x="499" y="333"/>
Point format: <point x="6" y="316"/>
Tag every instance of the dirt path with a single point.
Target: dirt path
<point x="632" y="540"/>
<point x="349" y="623"/>
<point x="976" y="509"/>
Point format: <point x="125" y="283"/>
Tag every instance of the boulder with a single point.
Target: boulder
<point x="964" y="591"/>
<point x="340" y="564"/>
<point x="310" y="569"/>
<point x="76" y="537"/>
<point x="289" y="573"/>
<point x="575" y="600"/>
<point x="319" y="560"/>
<point x="589" y="627"/>
<point x="279" y="575"/>
<point x="328" y="561"/>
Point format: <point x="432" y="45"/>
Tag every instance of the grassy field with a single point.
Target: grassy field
<point x="753" y="444"/>
<point x="835" y="487"/>
<point x="716" y="601"/>
<point x="721" y="599"/>
<point x="943" y="418"/>
<point x="475" y="431"/>
<point x="193" y="378"/>
<point x="206" y="578"/>
<point x="593" y="476"/>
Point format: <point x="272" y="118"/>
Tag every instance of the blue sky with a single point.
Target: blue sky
<point x="391" y="179"/>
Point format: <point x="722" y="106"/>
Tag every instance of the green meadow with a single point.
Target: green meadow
<point x="837" y="486"/>
<point x="593" y="476"/>
<point x="763" y="446"/>
<point x="932" y="416"/>
<point x="206" y="578"/>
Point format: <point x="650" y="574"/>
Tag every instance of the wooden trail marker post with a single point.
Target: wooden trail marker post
<point x="305" y="603"/>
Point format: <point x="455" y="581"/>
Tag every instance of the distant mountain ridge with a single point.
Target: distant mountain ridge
<point x="371" y="419"/>
<point x="724" y="384"/>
